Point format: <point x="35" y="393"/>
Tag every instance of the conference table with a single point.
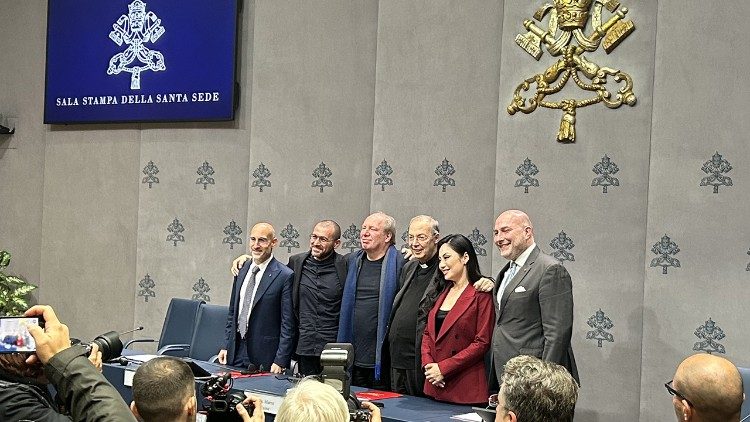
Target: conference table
<point x="272" y="389"/>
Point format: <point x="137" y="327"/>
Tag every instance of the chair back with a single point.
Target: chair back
<point x="208" y="336"/>
<point x="745" y="413"/>
<point x="179" y="322"/>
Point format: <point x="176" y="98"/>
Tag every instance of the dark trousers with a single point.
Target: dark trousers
<point x="241" y="359"/>
<point x="365" y="377"/>
<point x="405" y="381"/>
<point x="309" y="365"/>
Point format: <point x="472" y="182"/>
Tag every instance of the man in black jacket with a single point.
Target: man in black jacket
<point x="81" y="388"/>
<point x="319" y="277"/>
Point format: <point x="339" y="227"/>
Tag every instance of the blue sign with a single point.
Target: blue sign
<point x="140" y="61"/>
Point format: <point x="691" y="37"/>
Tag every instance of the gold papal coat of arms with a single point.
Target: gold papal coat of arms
<point x="565" y="37"/>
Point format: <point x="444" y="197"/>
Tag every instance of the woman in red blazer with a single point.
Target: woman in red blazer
<point x="459" y="327"/>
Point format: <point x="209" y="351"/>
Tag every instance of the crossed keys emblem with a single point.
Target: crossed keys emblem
<point x="565" y="37"/>
<point x="135" y="29"/>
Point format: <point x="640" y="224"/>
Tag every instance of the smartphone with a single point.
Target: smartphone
<point x="14" y="334"/>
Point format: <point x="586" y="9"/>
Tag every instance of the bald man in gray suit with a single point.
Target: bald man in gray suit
<point x="533" y="299"/>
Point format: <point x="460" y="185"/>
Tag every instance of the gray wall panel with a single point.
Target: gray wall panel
<point x="203" y="212"/>
<point x="437" y="71"/>
<point x="22" y="154"/>
<point x="89" y="228"/>
<point x="699" y="105"/>
<point x="607" y="230"/>
<point x="313" y="88"/>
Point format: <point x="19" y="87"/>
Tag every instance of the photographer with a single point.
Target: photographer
<point x="164" y="391"/>
<point x="81" y="388"/>
<point x="311" y="400"/>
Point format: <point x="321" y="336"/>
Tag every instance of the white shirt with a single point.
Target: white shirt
<point x="262" y="270"/>
<point x="519" y="261"/>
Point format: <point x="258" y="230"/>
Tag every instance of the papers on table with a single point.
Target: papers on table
<point x="470" y="417"/>
<point x="141" y="358"/>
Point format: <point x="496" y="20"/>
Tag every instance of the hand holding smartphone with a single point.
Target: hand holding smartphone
<point x="15" y="336"/>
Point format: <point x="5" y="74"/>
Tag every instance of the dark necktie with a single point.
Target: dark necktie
<point x="246" y="302"/>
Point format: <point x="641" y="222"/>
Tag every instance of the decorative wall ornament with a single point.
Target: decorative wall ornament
<point x="714" y="168"/>
<point x="709" y="335"/>
<point x="147" y="285"/>
<point x="201" y="288"/>
<point x="233" y="232"/>
<point x="175" y="230"/>
<point x="205" y="172"/>
<point x="352" y="238"/>
<point x="405" y="237"/>
<point x="261" y="175"/>
<point x="565" y="37"/>
<point x="600" y="324"/>
<point x="526" y="171"/>
<point x="664" y="248"/>
<point x="477" y="240"/>
<point x="150" y="171"/>
<point x="562" y="244"/>
<point x="383" y="170"/>
<point x="322" y="173"/>
<point x="445" y="170"/>
<point x="605" y="169"/>
<point x="289" y="233"/>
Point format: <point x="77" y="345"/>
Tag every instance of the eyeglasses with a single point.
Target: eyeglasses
<point x="674" y="392"/>
<point x="420" y="238"/>
<point x="314" y="238"/>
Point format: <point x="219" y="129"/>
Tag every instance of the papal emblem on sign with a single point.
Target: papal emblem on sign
<point x="136" y="29"/>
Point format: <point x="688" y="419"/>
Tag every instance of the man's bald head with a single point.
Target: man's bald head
<point x="713" y="386"/>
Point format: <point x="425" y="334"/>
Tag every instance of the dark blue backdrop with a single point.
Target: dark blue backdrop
<point x="198" y="45"/>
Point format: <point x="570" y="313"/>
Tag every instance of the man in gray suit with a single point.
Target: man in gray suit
<point x="533" y="298"/>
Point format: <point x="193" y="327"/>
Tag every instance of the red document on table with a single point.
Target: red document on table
<point x="375" y="395"/>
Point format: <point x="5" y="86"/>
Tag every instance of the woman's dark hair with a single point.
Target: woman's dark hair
<point x="461" y="245"/>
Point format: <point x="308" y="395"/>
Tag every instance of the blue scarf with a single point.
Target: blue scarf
<point x="388" y="288"/>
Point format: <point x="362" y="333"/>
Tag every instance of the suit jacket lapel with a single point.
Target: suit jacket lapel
<point x="461" y="305"/>
<point x="340" y="263"/>
<point x="518" y="278"/>
<point x="269" y="275"/>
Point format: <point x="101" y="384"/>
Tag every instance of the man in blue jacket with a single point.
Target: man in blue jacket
<point x="261" y="325"/>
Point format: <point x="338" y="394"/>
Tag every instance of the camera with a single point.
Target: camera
<point x="336" y="360"/>
<point x="222" y="401"/>
<point x="359" y="415"/>
<point x="109" y="344"/>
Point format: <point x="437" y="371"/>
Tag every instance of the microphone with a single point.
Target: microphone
<point x="109" y="344"/>
<point x="132" y="331"/>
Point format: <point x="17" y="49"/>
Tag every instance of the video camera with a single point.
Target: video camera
<point x="336" y="360"/>
<point x="109" y="344"/>
<point x="222" y="401"/>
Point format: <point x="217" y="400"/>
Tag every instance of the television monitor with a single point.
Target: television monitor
<point x="141" y="61"/>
